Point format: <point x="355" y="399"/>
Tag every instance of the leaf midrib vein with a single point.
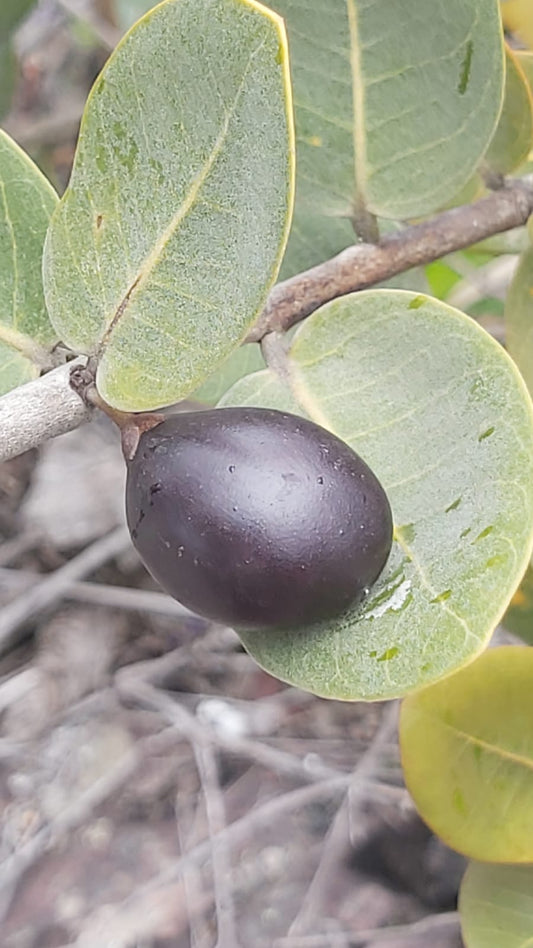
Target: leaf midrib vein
<point x="486" y="745"/>
<point x="359" y="139"/>
<point x="181" y="213"/>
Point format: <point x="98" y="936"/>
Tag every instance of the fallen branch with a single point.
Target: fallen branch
<point x="51" y="588"/>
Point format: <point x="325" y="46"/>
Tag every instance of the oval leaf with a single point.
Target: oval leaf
<point x="519" y="317"/>
<point x="439" y="412"/>
<point x="170" y="234"/>
<point x="513" y="138"/>
<point x="467" y="753"/>
<point x="26" y="204"/>
<point x="395" y="106"/>
<point x="496" y="906"/>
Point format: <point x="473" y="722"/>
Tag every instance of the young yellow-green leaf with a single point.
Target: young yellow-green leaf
<point x="171" y="231"/>
<point x="442" y="278"/>
<point x="517" y="18"/>
<point x="395" y="104"/>
<point x="26" y="204"/>
<point x="496" y="906"/>
<point x="519" y="317"/>
<point x="467" y="754"/>
<point x="437" y="409"/>
<point x="513" y="138"/>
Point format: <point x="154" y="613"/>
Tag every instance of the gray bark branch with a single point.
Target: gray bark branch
<point x="39" y="410"/>
<point x="48" y="407"/>
<point x="364" y="265"/>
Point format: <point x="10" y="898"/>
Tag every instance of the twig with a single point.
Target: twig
<point x="140" y="685"/>
<point x="43" y="409"/>
<point x="220" y="857"/>
<point x="51" y="588"/>
<point x="242" y="830"/>
<point x="364" y="265"/>
<point x="18" y="686"/>
<point x="442" y="922"/>
<point x="73" y="815"/>
<point x="114" y="597"/>
<point x="20" y="544"/>
<point x="340" y="831"/>
<point x="275" y="355"/>
<point x="136" y="683"/>
<point x="39" y="410"/>
<point x="192" y="881"/>
<point x="493" y="279"/>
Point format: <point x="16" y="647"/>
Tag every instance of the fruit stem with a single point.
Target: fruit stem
<point x="131" y="425"/>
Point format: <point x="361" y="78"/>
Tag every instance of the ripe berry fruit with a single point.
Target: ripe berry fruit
<point x="256" y="518"/>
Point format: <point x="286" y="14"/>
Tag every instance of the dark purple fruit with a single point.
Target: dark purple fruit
<point x="256" y="518"/>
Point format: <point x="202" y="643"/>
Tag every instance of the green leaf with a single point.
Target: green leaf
<point x="519" y="317"/>
<point x="437" y="409"/>
<point x="467" y="754"/>
<point x="496" y="906"/>
<point x="26" y="204"/>
<point x="12" y="12"/>
<point x="519" y="616"/>
<point x="241" y="362"/>
<point x="171" y="232"/>
<point x="513" y="138"/>
<point x="395" y="103"/>
<point x="442" y="278"/>
<point x="8" y="75"/>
